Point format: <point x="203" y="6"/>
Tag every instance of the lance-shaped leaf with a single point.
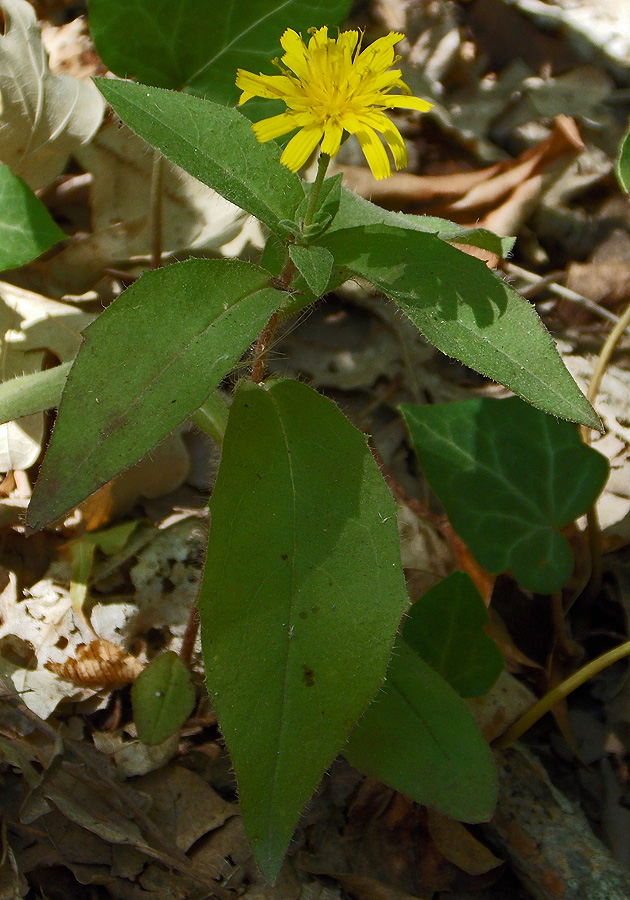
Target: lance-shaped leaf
<point x="28" y="394"/>
<point x="214" y="143"/>
<point x="465" y="311"/>
<point x="302" y="594"/>
<point x="445" y="627"/>
<point x="419" y="737"/>
<point x="199" y="44"/>
<point x="508" y="476"/>
<point x="148" y="361"/>
<point x="355" y="211"/>
<point x="26" y="229"/>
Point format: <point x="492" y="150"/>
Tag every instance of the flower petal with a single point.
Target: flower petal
<point x="274" y="126"/>
<point x="333" y="132"/>
<point x="400" y="101"/>
<point x="380" y="122"/>
<point x="375" y="153"/>
<point x="271" y="87"/>
<point x="300" y="147"/>
<point x="295" y="53"/>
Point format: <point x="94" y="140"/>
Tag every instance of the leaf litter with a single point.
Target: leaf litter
<point x="521" y="140"/>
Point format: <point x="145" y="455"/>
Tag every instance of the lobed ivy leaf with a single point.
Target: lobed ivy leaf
<point x="151" y="359"/>
<point x="445" y="627"/>
<point x="199" y="44"/>
<point x="465" y="311"/>
<point x="509" y="476"/>
<point x="301" y="598"/>
<point x="26" y="228"/>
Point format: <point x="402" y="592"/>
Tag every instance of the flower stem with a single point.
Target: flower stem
<point x="322" y="166"/>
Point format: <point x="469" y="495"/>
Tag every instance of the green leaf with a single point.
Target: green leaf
<point x="445" y="627"/>
<point x="199" y="44"/>
<point x="465" y="311"/>
<point x="328" y="204"/>
<point x="508" y="476"/>
<point x="419" y="737"/>
<point x="26" y="228"/>
<point x="150" y="359"/>
<point x="301" y="598"/>
<point x="622" y="167"/>
<point x="32" y="393"/>
<point x="212" y="417"/>
<point x="214" y="144"/>
<point x="355" y="211"/>
<point x="163" y="697"/>
<point x="315" y="264"/>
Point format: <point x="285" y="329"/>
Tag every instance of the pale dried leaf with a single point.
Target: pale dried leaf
<point x="99" y="664"/>
<point x="44" y="117"/>
<point x="30" y="324"/>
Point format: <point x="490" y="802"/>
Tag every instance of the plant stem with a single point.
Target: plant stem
<point x="265" y="337"/>
<point x="322" y="166"/>
<point x="157" y="179"/>
<point x="546" y="703"/>
<point x="190" y="636"/>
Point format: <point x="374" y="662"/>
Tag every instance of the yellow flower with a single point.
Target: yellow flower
<point x="332" y="87"/>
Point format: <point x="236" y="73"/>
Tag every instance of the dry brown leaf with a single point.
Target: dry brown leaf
<point x="458" y="845"/>
<point x="98" y="664"/>
<point x="498" y="197"/>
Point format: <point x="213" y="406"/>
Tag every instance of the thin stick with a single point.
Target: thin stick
<point x="547" y="703"/>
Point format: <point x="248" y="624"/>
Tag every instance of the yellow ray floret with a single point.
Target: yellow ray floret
<point x="332" y="88"/>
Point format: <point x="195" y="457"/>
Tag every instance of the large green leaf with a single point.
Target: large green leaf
<point x="446" y="629"/>
<point x="26" y="229"/>
<point x="213" y="143"/>
<point x="419" y="737"/>
<point x="301" y="598"/>
<point x="508" y="476"/>
<point x="465" y="311"/>
<point x="199" y="44"/>
<point x="147" y="362"/>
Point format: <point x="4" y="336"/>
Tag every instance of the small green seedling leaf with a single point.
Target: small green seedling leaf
<point x="301" y="598"/>
<point x="445" y="627"/>
<point x="163" y="697"/>
<point x="213" y="143"/>
<point x="199" y="44"/>
<point x="32" y="393"/>
<point x="419" y="737"/>
<point x="509" y="476"/>
<point x="465" y="311"/>
<point x="26" y="228"/>
<point x="151" y="359"/>
<point x="623" y="163"/>
<point x="314" y="264"/>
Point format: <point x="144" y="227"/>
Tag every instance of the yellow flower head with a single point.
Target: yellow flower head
<point x="332" y="87"/>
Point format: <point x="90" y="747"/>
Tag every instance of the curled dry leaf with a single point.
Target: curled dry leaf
<point x="99" y="664"/>
<point x="499" y="197"/>
<point x="44" y="117"/>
